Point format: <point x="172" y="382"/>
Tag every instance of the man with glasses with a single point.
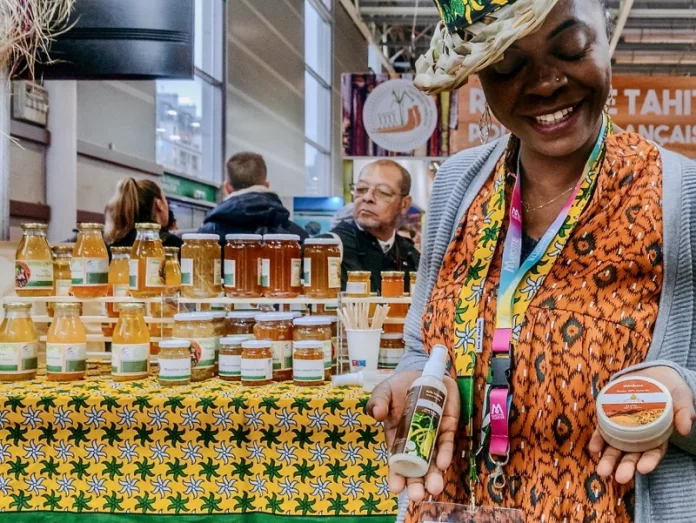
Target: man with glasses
<point x="370" y="243"/>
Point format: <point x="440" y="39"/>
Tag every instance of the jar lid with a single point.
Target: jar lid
<point x="174" y="344"/>
<point x="66" y="306"/>
<point x="233" y="340"/>
<point x="257" y="344"/>
<point x="217" y="314"/>
<point x="120" y="250"/>
<point x="313" y="320"/>
<point x="308" y="344"/>
<point x="130" y="306"/>
<point x="281" y="237"/>
<point x="296" y="314"/>
<point x="17" y="305"/>
<point x="273" y="316"/>
<point x="193" y="316"/>
<point x="196" y="236"/>
<point x="242" y="315"/>
<point x="392" y="336"/>
<point x="34" y="227"/>
<point x="322" y="241"/>
<point x="248" y="237"/>
<point x="148" y="226"/>
<point x="393" y="274"/>
<point x="171" y="250"/>
<point x="359" y="273"/>
<point x="90" y="226"/>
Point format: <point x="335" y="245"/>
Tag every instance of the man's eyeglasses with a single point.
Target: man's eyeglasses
<point x="380" y="192"/>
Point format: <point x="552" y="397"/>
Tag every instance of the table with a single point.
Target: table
<point x="102" y="451"/>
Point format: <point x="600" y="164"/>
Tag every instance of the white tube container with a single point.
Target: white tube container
<point x="363" y="349"/>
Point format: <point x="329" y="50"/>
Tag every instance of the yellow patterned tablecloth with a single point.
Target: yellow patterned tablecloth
<point x="209" y="448"/>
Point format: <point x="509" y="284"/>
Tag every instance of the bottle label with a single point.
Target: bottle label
<point x="389" y="358"/>
<point x="295" y="272"/>
<point x="282" y="354"/>
<point x="187" y="271"/>
<point x="129" y="359"/>
<point x="33" y="274"/>
<point x="217" y="272"/>
<point x="89" y="272"/>
<point x="633" y="402"/>
<point x="308" y="370"/>
<point x="174" y="369"/>
<point x="334" y="268"/>
<point x="334" y="350"/>
<point x="356" y="287"/>
<point x="420" y="422"/>
<point x="264" y="272"/>
<point x="133" y="274"/>
<point x="204" y="351"/>
<point x="307" y="274"/>
<point x="66" y="357"/>
<point x="120" y="290"/>
<point x="63" y="287"/>
<point x="230" y="365"/>
<point x="257" y="369"/>
<point x="328" y="353"/>
<point x="18" y="358"/>
<point x="230" y="274"/>
<point x="154" y="272"/>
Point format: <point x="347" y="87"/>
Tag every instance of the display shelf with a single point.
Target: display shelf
<point x="300" y="300"/>
<point x="101" y="319"/>
<point x="96" y="338"/>
<point x="406" y="300"/>
<point x="72" y="299"/>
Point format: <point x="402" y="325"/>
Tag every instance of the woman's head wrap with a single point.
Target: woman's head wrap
<point x="472" y="35"/>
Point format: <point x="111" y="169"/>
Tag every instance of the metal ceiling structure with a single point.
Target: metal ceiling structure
<point x="658" y="38"/>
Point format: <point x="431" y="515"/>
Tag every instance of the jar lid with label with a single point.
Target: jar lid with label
<point x="174" y="344"/>
<point x="308" y="344"/>
<point x="196" y="236"/>
<point x="257" y="344"/>
<point x="273" y="316"/>
<point x="314" y="320"/>
<point x="281" y="237"/>
<point x="244" y="237"/>
<point x="235" y="341"/>
<point x="242" y="315"/>
<point x="193" y="316"/>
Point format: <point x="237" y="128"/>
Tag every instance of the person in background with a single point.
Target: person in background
<point x="249" y="207"/>
<point x="171" y="225"/>
<point x="370" y="242"/>
<point x="136" y="201"/>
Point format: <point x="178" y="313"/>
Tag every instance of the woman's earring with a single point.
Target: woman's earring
<point x="485" y="124"/>
<point x="610" y="100"/>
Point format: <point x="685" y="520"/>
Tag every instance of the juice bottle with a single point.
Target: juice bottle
<point x="146" y="274"/>
<point x="62" y="276"/>
<point x="172" y="270"/>
<point x="19" y="344"/>
<point x="90" y="262"/>
<point x="33" y="262"/>
<point x="66" y="344"/>
<point x="168" y="307"/>
<point x="118" y="283"/>
<point x="130" y="348"/>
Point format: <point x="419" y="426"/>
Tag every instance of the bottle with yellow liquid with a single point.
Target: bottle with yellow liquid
<point x="66" y="344"/>
<point x="62" y="275"/>
<point x="19" y="343"/>
<point x="168" y="307"/>
<point x="130" y="348"/>
<point x="90" y="262"/>
<point x="118" y="284"/>
<point x="172" y="270"/>
<point x="33" y="262"/>
<point x="146" y="274"/>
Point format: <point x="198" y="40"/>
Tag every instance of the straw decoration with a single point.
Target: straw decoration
<point x="356" y="316"/>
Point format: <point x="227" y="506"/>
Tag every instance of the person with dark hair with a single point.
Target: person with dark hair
<point x="249" y="206"/>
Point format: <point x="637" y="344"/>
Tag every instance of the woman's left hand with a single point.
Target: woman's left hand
<point x="624" y="465"/>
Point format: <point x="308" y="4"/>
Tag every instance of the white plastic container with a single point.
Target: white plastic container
<point x="363" y="349"/>
<point x="368" y="379"/>
<point x="635" y="414"/>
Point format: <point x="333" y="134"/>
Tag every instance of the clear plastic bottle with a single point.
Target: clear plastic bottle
<point x="19" y="343"/>
<point x="146" y="274"/>
<point x="33" y="262"/>
<point x="130" y="348"/>
<point x="90" y="262"/>
<point x="66" y="344"/>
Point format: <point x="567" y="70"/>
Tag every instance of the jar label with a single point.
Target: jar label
<point x="264" y="272"/>
<point x="154" y="272"/>
<point x="120" y="290"/>
<point x="633" y="402"/>
<point x="129" y="359"/>
<point x="257" y="369"/>
<point x="328" y="353"/>
<point x="217" y="272"/>
<point x="230" y="365"/>
<point x="230" y="273"/>
<point x="63" y="287"/>
<point x="334" y="268"/>
<point x="423" y="411"/>
<point x="18" y="358"/>
<point x="282" y="354"/>
<point x="89" y="272"/>
<point x="296" y="272"/>
<point x="389" y="358"/>
<point x="204" y="351"/>
<point x="178" y="369"/>
<point x="356" y="287"/>
<point x="187" y="271"/>
<point x="66" y="357"/>
<point x="133" y="274"/>
<point x="308" y="370"/>
<point x="307" y="274"/>
<point x="33" y="274"/>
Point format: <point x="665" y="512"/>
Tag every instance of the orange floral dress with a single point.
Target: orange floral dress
<point x="592" y="317"/>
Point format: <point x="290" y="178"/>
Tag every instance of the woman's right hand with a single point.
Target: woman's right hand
<point x="387" y="405"/>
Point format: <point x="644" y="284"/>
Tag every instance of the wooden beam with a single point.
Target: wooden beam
<point x="624" y="13"/>
<point x="362" y="27"/>
<point x="89" y="217"/>
<point x="30" y="211"/>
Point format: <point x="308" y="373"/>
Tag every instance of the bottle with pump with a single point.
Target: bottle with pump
<point x="420" y="423"/>
<point x="368" y="379"/>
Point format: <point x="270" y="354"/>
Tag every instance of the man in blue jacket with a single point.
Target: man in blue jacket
<point x="250" y="207"/>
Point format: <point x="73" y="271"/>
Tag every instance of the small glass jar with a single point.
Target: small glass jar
<point x="118" y="283"/>
<point x="276" y="327"/>
<point x="281" y="266"/>
<point x="391" y="350"/>
<point x="66" y="344"/>
<point x="316" y="328"/>
<point x="257" y="363"/>
<point x="308" y="363"/>
<point x="412" y="276"/>
<point x="393" y="287"/>
<point x="241" y="323"/>
<point x="358" y="285"/>
<point x="322" y="268"/>
<point x="33" y="262"/>
<point x="90" y="262"/>
<point x="174" y="362"/>
<point x="19" y="343"/>
<point x="230" y="363"/>
<point x="62" y="276"/>
<point x="201" y="266"/>
<point x="242" y="255"/>
<point x="146" y="273"/>
<point x="197" y="327"/>
<point x="130" y="347"/>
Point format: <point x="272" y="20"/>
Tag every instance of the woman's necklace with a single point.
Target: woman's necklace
<point x="529" y="209"/>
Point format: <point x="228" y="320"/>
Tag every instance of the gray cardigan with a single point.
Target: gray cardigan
<point x="669" y="493"/>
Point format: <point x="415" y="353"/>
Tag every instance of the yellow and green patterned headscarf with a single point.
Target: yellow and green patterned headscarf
<point x="460" y="14"/>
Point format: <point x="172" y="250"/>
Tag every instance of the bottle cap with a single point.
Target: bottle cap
<point x="437" y="363"/>
<point x="353" y="378"/>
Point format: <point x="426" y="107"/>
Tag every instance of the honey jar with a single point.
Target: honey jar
<point x="66" y="344"/>
<point x="241" y="268"/>
<point x="412" y="281"/>
<point x="62" y="276"/>
<point x="276" y="327"/>
<point x="316" y="328"/>
<point x="230" y="363"/>
<point x="393" y="287"/>
<point x="308" y="363"/>
<point x="197" y="327"/>
<point x="201" y="266"/>
<point x="391" y="350"/>
<point x="257" y="363"/>
<point x="358" y="285"/>
<point x="90" y="262"/>
<point x="241" y="323"/>
<point x="174" y="362"/>
<point x="130" y="347"/>
<point x="172" y="270"/>
<point x="19" y="343"/>
<point x="33" y="262"/>
<point x="322" y="268"/>
<point x="146" y="265"/>
<point x="281" y="266"/>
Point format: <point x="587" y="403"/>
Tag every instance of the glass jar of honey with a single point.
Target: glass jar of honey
<point x="197" y="327"/>
<point x="146" y="265"/>
<point x="316" y="328"/>
<point x="358" y="285"/>
<point x="241" y="323"/>
<point x="19" y="344"/>
<point x="66" y="344"/>
<point x="308" y="363"/>
<point x="33" y="262"/>
<point x="90" y="262"/>
<point x="412" y="276"/>
<point x="281" y="266"/>
<point x="322" y="268"/>
<point x="257" y="363"/>
<point x="277" y="328"/>
<point x="62" y="275"/>
<point x="174" y="362"/>
<point x="393" y="287"/>
<point x="242" y="255"/>
<point x="391" y="350"/>
<point x="231" y="358"/>
<point x="201" y="266"/>
<point x="130" y="348"/>
<point x="172" y="270"/>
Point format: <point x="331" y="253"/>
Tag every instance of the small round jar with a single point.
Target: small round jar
<point x="257" y="363"/>
<point x="308" y="363"/>
<point x="241" y="323"/>
<point x="230" y="362"/>
<point x="201" y="266"/>
<point x="174" y="362"/>
<point x="635" y="414"/>
<point x="358" y="285"/>
<point x="277" y="328"/>
<point x="391" y="350"/>
<point x="316" y="328"/>
<point x="197" y="327"/>
<point x="322" y="268"/>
